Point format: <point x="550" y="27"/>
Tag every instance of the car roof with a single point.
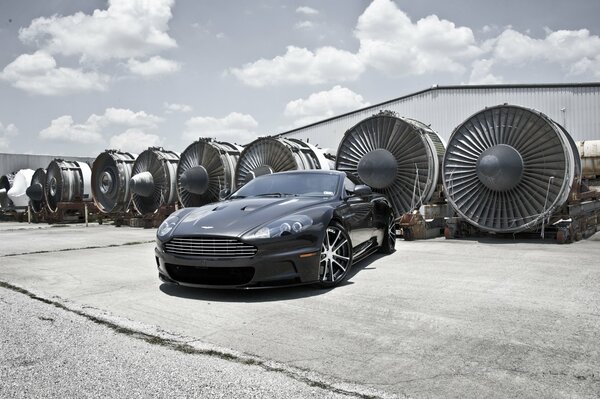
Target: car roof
<point x="314" y="171"/>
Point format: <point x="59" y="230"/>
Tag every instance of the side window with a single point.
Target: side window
<point x="348" y="186"/>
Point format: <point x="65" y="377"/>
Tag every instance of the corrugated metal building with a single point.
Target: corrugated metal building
<point x="575" y="106"/>
<point x="14" y="162"/>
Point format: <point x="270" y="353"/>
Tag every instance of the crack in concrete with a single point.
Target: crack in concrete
<point x="50" y="251"/>
<point x="184" y="347"/>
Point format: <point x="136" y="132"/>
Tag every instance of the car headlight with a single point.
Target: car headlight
<point x="288" y="225"/>
<point x="166" y="227"/>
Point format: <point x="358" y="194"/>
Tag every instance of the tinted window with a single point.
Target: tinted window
<point x="303" y="184"/>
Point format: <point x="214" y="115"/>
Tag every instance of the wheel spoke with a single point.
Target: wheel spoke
<point x="339" y="246"/>
<point x="336" y="238"/>
<point x="339" y="264"/>
<point x="341" y="257"/>
<point x="331" y="270"/>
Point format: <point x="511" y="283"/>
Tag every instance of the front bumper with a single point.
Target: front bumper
<point x="273" y="265"/>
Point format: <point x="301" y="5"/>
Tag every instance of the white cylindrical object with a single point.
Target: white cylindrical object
<point x="589" y="151"/>
<point x="17" y="192"/>
<point x="86" y="174"/>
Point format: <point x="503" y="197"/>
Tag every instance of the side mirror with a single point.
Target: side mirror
<point x="362" y="190"/>
<point x="223" y="194"/>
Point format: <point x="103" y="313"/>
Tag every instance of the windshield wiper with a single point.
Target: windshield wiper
<point x="276" y="195"/>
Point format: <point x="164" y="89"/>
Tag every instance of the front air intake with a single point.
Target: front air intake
<point x="206" y="167"/>
<point x="154" y="180"/>
<point x="111" y="173"/>
<point x="67" y="181"/>
<point x="507" y="168"/>
<point x="398" y="157"/>
<point x="209" y="247"/>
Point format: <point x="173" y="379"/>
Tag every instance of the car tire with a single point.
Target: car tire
<point x="335" y="257"/>
<point x="389" y="237"/>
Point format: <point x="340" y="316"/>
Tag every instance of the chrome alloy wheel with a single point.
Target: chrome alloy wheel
<point x="391" y="232"/>
<point x="336" y="256"/>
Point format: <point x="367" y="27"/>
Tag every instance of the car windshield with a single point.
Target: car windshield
<point x="290" y="184"/>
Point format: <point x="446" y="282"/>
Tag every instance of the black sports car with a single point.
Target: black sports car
<point x="285" y="228"/>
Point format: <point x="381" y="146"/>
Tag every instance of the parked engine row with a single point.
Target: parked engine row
<point x="505" y="169"/>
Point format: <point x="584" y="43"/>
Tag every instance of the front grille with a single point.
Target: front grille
<point x="209" y="247"/>
<point x="210" y="275"/>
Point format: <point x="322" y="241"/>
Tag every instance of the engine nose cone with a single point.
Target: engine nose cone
<point x="378" y="168"/>
<point x="500" y="167"/>
<point x="142" y="184"/>
<point x="106" y="182"/>
<point x="53" y="186"/>
<point x="35" y="192"/>
<point x="195" y="180"/>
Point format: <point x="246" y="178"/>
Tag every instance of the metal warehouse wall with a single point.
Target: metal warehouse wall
<point x="14" y="162"/>
<point x="445" y="107"/>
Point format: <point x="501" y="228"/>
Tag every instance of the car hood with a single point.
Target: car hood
<point x="236" y="217"/>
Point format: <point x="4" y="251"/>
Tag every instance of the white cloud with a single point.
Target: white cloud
<point x="324" y="104"/>
<point x="154" y="66"/>
<point x="173" y="107"/>
<point x="235" y="127"/>
<point x="38" y="73"/>
<point x="126" y="29"/>
<point x="6" y="134"/>
<point x="586" y="66"/>
<point x="302" y="66"/>
<point x="126" y="117"/>
<point x="134" y="140"/>
<point x="481" y="73"/>
<point x="303" y="25"/>
<point x="391" y="42"/>
<point x="95" y="127"/>
<point x="577" y="51"/>
<point x="306" y="10"/>
<point x="64" y="129"/>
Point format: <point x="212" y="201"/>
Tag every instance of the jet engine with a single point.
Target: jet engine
<point x="395" y="156"/>
<point x="20" y="184"/>
<point x="205" y="168"/>
<point x="268" y="155"/>
<point x="35" y="191"/>
<point x="67" y="181"/>
<point x="111" y="173"/>
<point x="508" y="168"/>
<point x="154" y="181"/>
<point x="6" y="182"/>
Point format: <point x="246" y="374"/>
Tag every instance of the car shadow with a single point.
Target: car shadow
<point x="506" y="239"/>
<point x="263" y="294"/>
<point x="365" y="264"/>
<point x="244" y="295"/>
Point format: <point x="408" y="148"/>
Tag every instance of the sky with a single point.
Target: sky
<point x="78" y="77"/>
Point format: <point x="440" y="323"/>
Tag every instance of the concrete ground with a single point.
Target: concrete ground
<point x="438" y="318"/>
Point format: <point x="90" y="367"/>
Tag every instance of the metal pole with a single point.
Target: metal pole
<point x="28" y="213"/>
<point x="86" y="214"/>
